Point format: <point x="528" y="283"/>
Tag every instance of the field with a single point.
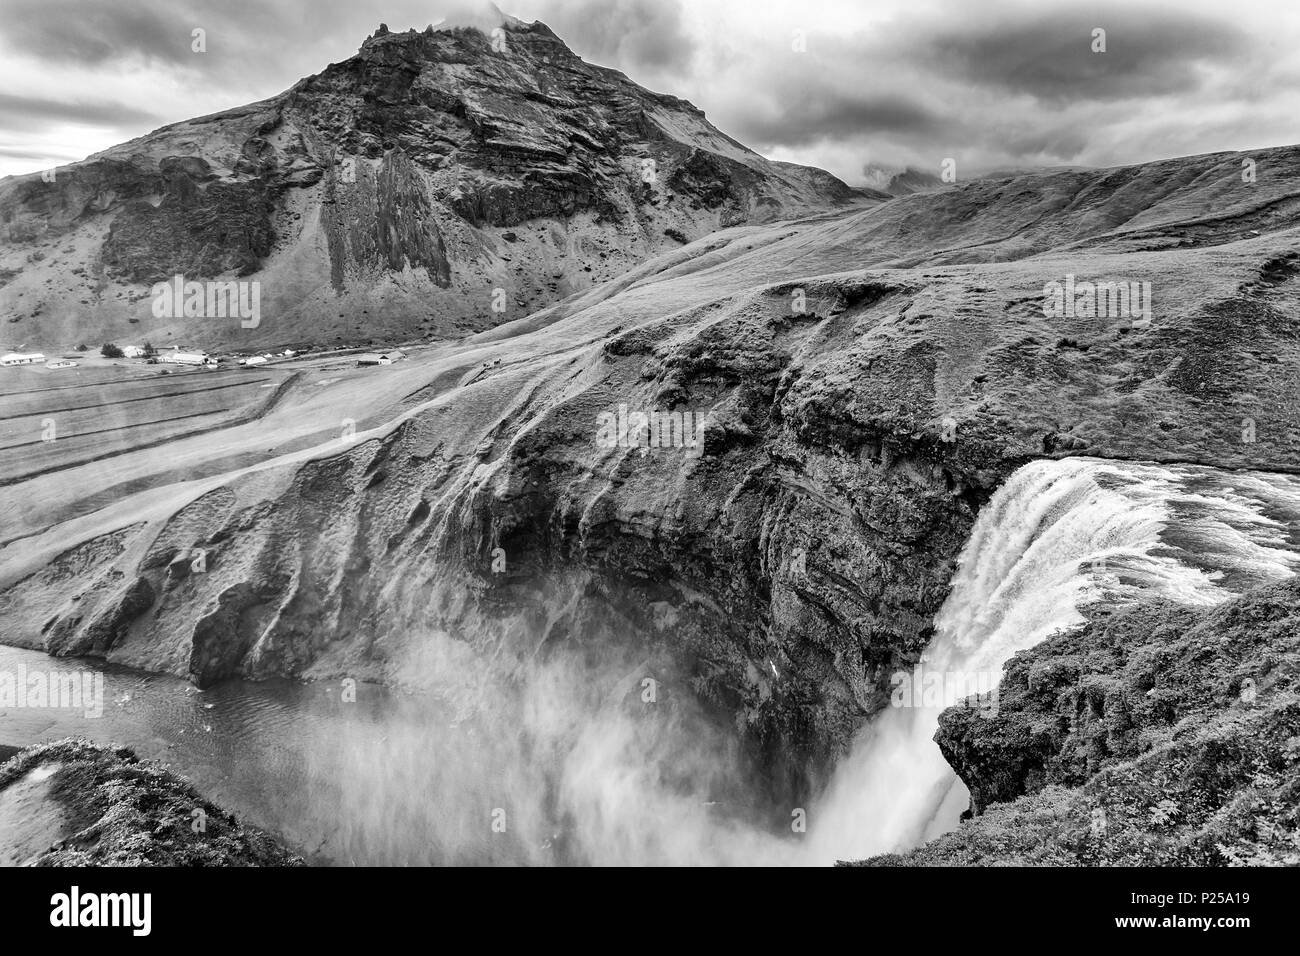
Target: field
<point x="56" y="419"/>
<point x="127" y="439"/>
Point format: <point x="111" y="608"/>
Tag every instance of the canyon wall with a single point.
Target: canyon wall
<point x="853" y="423"/>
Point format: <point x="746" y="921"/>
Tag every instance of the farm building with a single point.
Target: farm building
<point x="380" y="358"/>
<point x="184" y="358"/>
<point x="22" y="358"/>
<point x="255" y="360"/>
<point x="133" y="351"/>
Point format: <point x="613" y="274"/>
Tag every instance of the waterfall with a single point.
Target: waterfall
<point x="582" y="769"/>
<point x="1058" y="536"/>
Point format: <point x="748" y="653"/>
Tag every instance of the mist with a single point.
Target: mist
<point x="573" y="753"/>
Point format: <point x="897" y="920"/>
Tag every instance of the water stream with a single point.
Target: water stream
<point x="557" y="768"/>
<point x="1058" y="536"/>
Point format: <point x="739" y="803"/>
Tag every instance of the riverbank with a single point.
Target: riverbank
<point x="73" y="803"/>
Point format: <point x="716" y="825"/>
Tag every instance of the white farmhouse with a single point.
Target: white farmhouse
<point x="184" y="358"/>
<point x="381" y="358"/>
<point x="22" y="358"/>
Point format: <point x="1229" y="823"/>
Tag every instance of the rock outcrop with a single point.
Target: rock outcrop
<point x="72" y="803"/>
<point x="1161" y="735"/>
<point x="912" y="180"/>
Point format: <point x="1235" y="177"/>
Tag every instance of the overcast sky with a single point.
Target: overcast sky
<point x="878" y="83"/>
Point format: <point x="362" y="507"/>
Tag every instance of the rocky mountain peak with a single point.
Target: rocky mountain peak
<point x="439" y="181"/>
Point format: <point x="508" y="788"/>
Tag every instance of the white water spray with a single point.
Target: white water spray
<point x="1056" y="537"/>
<point x="563" y="750"/>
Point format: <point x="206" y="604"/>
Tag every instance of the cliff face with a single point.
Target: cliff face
<point x="788" y="565"/>
<point x="71" y="803"/>
<point x="387" y="198"/>
<point x="1163" y="735"/>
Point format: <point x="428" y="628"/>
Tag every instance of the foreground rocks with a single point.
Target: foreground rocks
<point x="72" y="803"/>
<point x="1161" y="736"/>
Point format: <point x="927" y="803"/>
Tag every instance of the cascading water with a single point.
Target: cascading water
<point x="1059" y="535"/>
<point x="578" y="769"/>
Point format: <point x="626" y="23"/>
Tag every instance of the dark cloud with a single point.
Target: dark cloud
<point x="1049" y="54"/>
<point x="805" y="114"/>
<point x="996" y="83"/>
<point x="72" y="31"/>
<point x="1061" y="141"/>
<point x="25" y="112"/>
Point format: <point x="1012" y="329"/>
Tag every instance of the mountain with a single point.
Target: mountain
<point x="912" y="180"/>
<point x="436" y="183"/>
